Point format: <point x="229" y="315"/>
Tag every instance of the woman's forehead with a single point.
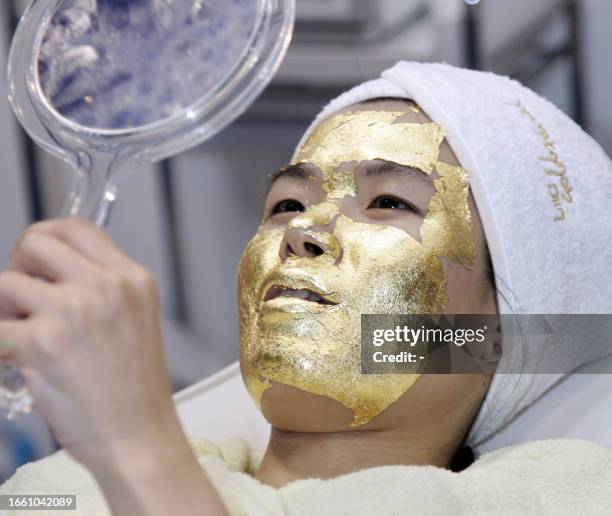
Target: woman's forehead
<point x="395" y="131"/>
<point x="413" y="112"/>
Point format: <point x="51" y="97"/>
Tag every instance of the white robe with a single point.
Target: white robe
<point x="554" y="476"/>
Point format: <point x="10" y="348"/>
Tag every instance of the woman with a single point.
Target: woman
<point x="384" y="209"/>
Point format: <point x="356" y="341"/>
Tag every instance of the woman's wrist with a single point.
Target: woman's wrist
<point x="159" y="476"/>
<point x="141" y="455"/>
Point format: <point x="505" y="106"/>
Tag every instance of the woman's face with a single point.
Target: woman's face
<point x="373" y="217"/>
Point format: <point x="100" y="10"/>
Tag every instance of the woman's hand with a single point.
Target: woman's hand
<point x="87" y="341"/>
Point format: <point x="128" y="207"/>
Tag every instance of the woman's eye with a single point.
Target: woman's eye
<point x="288" y="205"/>
<point x="387" y="202"/>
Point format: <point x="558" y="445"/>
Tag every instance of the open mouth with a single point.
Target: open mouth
<point x="307" y="295"/>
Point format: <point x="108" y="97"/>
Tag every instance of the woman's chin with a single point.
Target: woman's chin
<point x="291" y="409"/>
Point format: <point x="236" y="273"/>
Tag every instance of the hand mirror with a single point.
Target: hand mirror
<point x="108" y="85"/>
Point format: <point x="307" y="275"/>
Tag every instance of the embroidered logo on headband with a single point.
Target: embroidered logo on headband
<point x="559" y="187"/>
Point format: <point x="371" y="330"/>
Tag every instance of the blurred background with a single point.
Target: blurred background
<point x="189" y="218"/>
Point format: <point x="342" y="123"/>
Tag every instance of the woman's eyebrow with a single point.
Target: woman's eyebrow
<point x="382" y="168"/>
<point x="299" y="171"/>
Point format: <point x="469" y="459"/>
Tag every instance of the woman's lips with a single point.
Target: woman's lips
<point x="276" y="291"/>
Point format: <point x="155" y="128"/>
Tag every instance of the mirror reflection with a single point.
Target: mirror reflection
<point x="121" y="64"/>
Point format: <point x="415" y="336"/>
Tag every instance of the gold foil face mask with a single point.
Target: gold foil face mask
<point x="368" y="135"/>
<point x="366" y="268"/>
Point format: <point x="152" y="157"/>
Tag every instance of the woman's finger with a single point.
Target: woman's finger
<point x="22" y="295"/>
<point x="87" y="239"/>
<point x="14" y="339"/>
<point x="46" y="256"/>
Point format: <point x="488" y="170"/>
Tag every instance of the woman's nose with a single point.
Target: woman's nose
<point x="302" y="240"/>
<point x="303" y="244"/>
<point x="308" y="243"/>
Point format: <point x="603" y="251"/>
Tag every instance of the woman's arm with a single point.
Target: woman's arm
<point x="162" y="478"/>
<point x="81" y="321"/>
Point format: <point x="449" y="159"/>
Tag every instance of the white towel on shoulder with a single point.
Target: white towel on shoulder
<point x="551" y="477"/>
